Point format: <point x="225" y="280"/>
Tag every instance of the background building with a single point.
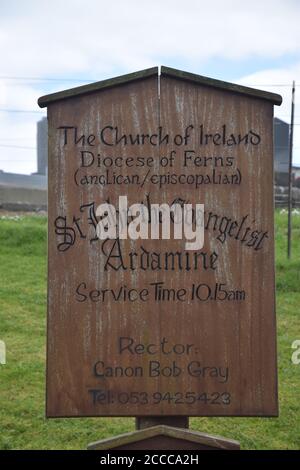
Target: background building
<point x="42" y="146"/>
<point x="281" y="151"/>
<point x="28" y="192"/>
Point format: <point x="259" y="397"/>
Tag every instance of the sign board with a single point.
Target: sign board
<point x="147" y="327"/>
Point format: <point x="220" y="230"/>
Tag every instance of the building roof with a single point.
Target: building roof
<point x="165" y="72"/>
<point x="281" y="122"/>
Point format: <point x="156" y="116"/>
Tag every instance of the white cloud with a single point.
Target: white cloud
<point x="97" y="39"/>
<point x="94" y="36"/>
<point x="17" y="129"/>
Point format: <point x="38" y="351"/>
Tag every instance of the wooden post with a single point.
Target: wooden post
<point x="149" y="421"/>
<point x="290" y="195"/>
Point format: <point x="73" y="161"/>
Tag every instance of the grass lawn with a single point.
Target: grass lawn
<point x="22" y="327"/>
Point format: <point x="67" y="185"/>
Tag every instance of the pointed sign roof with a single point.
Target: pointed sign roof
<point x="165" y="72"/>
<point x="179" y="435"/>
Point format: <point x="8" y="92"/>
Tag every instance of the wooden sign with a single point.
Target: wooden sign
<point x="147" y="327"/>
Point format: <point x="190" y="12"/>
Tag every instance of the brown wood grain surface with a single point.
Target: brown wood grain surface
<point x="210" y="351"/>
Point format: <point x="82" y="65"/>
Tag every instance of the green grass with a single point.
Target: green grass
<point x="22" y="327"/>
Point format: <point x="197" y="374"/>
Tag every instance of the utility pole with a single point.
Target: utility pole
<point x="290" y="173"/>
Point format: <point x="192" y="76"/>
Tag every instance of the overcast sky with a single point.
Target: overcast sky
<point x="51" y="45"/>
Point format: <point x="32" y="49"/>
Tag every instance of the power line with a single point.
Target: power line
<point x="17" y="161"/>
<point x="14" y="138"/>
<point x="18" y="147"/>
<point x="269" y="84"/>
<point x="7" y="110"/>
<point x="48" y="79"/>
<point x="53" y="79"/>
